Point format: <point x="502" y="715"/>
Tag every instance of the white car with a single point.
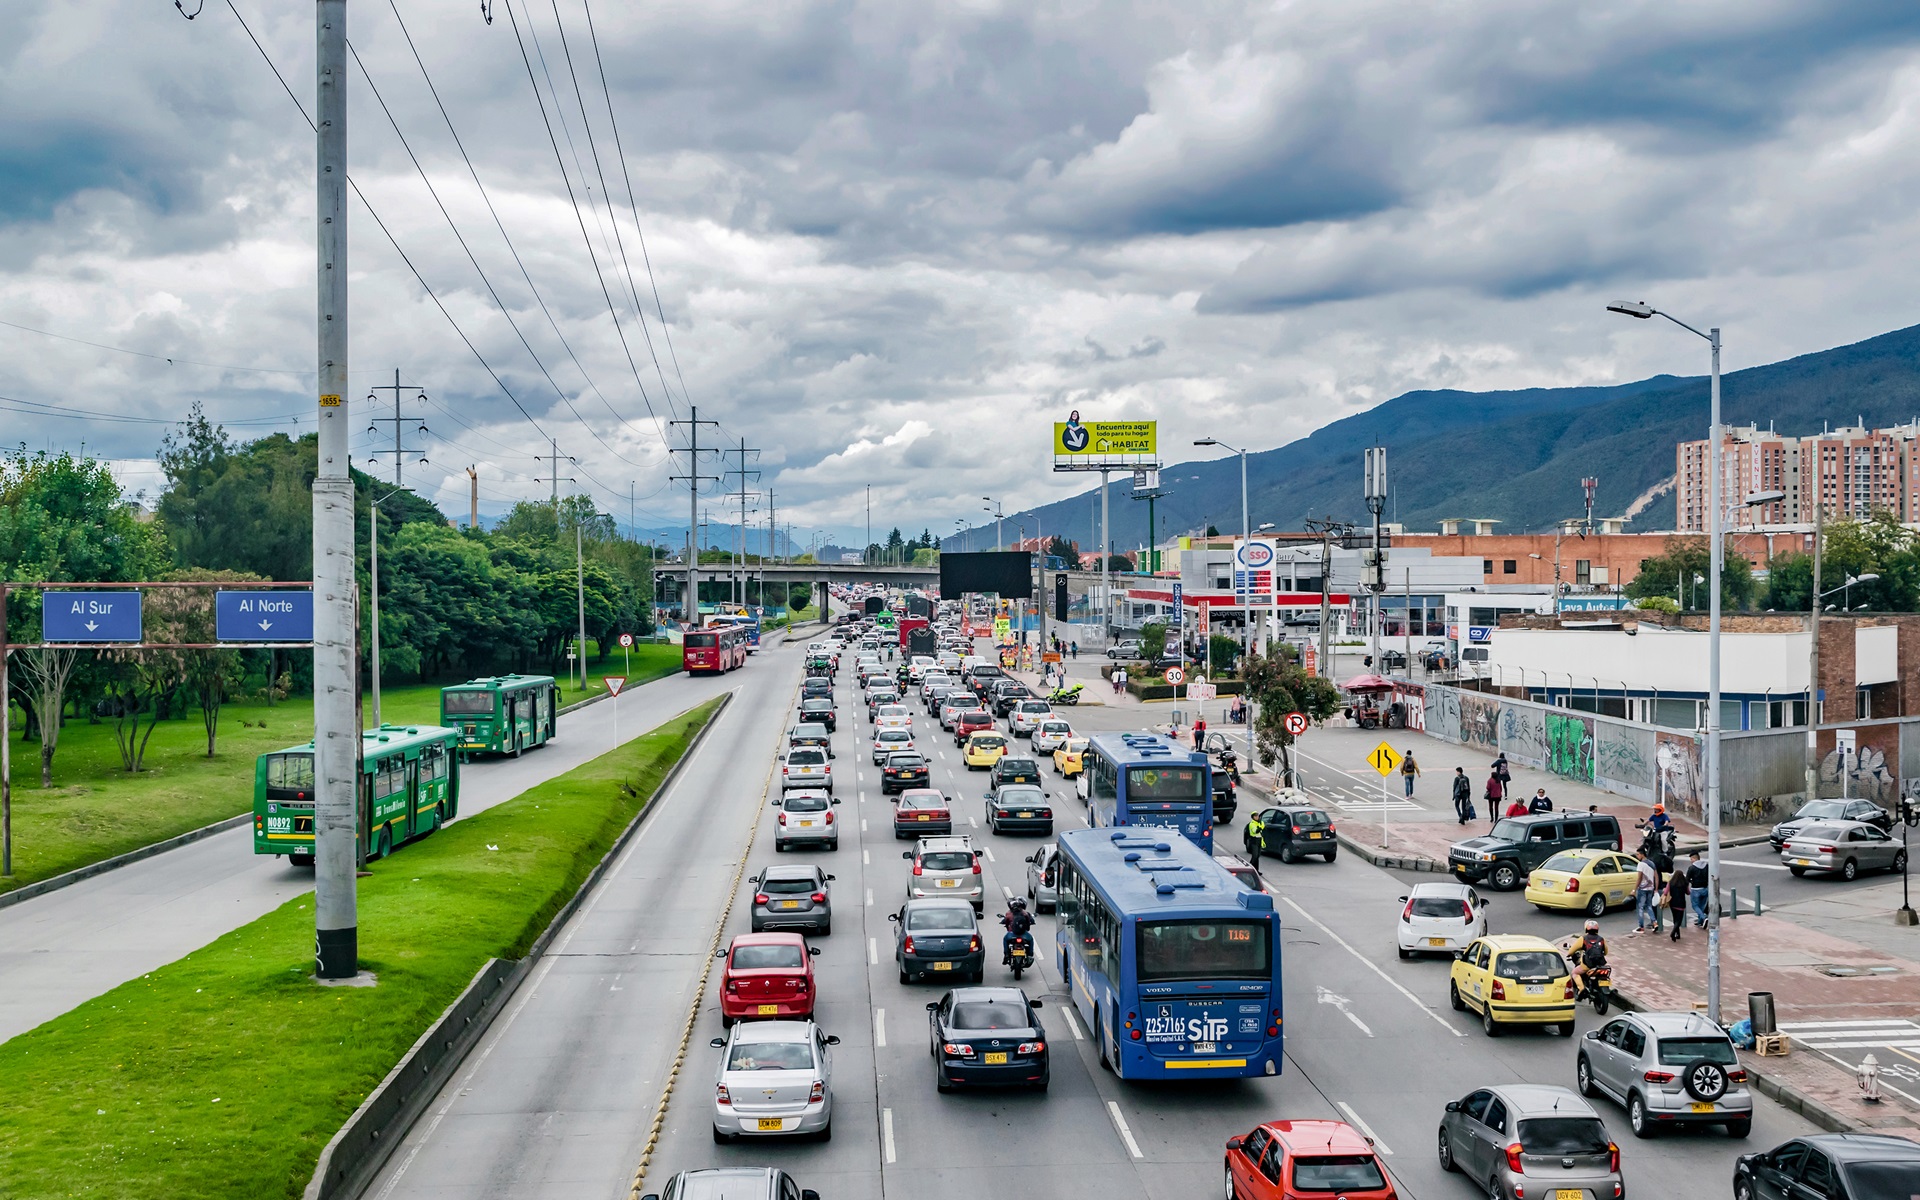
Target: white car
<point x="1027" y="716"/>
<point x="805" y="815"/>
<point x="891" y="741"/>
<point x="1051" y="734"/>
<point x="775" y="1077"/>
<point x="1439" y="918"/>
<point x="892" y="716"/>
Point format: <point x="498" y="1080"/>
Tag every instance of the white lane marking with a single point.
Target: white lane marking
<point x="863" y="824"/>
<point x="1006" y="891"/>
<point x="879" y="1028"/>
<point x="886" y="1132"/>
<point x="1126" y="1135"/>
<point x="1073" y="1024"/>
<point x="869" y="897"/>
<point x="988" y="851"/>
<point x="973" y="822"/>
<point x="873" y="952"/>
<point x="1753" y="866"/>
<point x="1363" y="1127"/>
<point x="1796" y="1026"/>
<point x="1348" y="947"/>
<point x="1357" y="1021"/>
<point x="866" y="857"/>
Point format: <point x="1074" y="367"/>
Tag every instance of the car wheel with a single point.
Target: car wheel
<point x="1505" y="877"/>
<point x="1286" y="855"/>
<point x="1597" y="907"/>
<point x="826" y="1132"/>
<point x="1739" y="1129"/>
<point x="1493" y="1189"/>
<point x="1850" y="870"/>
<point x="1637" y="1119"/>
<point x="1453" y="998"/>
<point x="1565" y="1028"/>
<point x="1583" y="1076"/>
<point x="1042" y="1085"/>
<point x="1331" y="855"/>
<point x="720" y="1139"/>
<point x="1446" y="1153"/>
<point x="904" y="977"/>
<point x="1743" y="1188"/>
<point x="940" y="1081"/>
<point x="726" y="1022"/>
<point x="1230" y="1193"/>
<point x="1405" y="954"/>
<point x="1797" y="871"/>
<point x="827" y="929"/>
<point x="1488" y="1025"/>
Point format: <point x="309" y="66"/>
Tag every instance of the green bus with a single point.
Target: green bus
<point x="409" y="787"/>
<point x="502" y="715"/>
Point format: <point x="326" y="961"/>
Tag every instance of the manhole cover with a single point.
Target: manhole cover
<point x="1844" y="972"/>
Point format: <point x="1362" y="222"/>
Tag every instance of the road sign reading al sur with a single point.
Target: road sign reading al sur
<point x="263" y="616"/>
<point x="90" y="616"/>
<point x="1384" y="759"/>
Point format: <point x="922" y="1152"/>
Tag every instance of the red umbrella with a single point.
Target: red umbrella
<point x="1367" y="683"/>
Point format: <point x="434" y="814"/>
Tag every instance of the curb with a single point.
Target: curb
<point x="361" y="1147"/>
<point x="80" y="874"/>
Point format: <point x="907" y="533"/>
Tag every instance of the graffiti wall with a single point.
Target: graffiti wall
<point x="1874" y="772"/>
<point x="1677" y="775"/>
<point x="1569" y="744"/>
<point x="1480" y="721"/>
<point x="1523" y="734"/>
<point x="1412" y="698"/>
<point x="1623" y="758"/>
<point x="1763" y="776"/>
<point x="1443" y="712"/>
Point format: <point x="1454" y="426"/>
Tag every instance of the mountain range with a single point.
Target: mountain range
<point x="1515" y="456"/>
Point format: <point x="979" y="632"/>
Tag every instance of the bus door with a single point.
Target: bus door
<point x="510" y="732"/>
<point x="364" y="825"/>
<point x="543" y="714"/>
<point x="415" y="824"/>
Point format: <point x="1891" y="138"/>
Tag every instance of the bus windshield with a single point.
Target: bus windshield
<point x="467" y="704"/>
<point x="1166" y="783"/>
<point x="1205" y="949"/>
<point x="291" y="771"/>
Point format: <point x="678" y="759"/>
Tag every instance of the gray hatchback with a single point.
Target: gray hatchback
<point x="1525" y="1135"/>
<point x="1667" y="1069"/>
<point x="939" y="938"/>
<point x="794" y="897"/>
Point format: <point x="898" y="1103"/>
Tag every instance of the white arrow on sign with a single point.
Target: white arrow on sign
<point x="1341" y="1002"/>
<point x="265" y="625"/>
<point x="91" y="626"/>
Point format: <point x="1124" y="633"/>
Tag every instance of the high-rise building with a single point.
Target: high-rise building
<point x="1853" y="472"/>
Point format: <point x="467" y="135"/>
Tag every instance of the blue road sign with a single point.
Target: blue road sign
<point x="90" y="616"/>
<point x="263" y="616"/>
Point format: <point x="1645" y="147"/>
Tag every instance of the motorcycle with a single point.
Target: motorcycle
<point x="1597" y="986"/>
<point x="1660" y="845"/>
<point x="1067" y="695"/>
<point x="1230" y="764"/>
<point x="1020" y="954"/>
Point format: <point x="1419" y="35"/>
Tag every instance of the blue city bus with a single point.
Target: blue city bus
<point x="1147" y="779"/>
<point x="740" y="621"/>
<point x="1172" y="962"/>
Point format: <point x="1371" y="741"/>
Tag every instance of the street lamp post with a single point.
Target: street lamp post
<point x="1240" y="575"/>
<point x="993" y="508"/>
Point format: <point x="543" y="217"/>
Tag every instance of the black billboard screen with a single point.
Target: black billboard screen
<point x="1007" y="574"/>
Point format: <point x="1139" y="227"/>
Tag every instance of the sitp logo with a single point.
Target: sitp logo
<point x="1075" y="436"/>
<point x="1255" y="555"/>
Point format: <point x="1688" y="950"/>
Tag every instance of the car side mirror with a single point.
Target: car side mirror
<point x="829" y="877"/>
<point x="651" y="1196"/>
<point x="1459" y="955"/>
<point x="906" y="854"/>
<point x="1403" y="899"/>
<point x="1234" y="1143"/>
<point x="1033" y="1004"/>
<point x="1593" y="1035"/>
<point x="832" y="1040"/>
<point x="893" y="916"/>
<point x="809" y="1194"/>
<point x="813" y="949"/>
<point x="836" y="799"/>
<point x="1029" y="858"/>
<point x="1453" y="1106"/>
<point x="986" y="795"/>
<point x="718" y="1042"/>
<point x="719" y="954"/>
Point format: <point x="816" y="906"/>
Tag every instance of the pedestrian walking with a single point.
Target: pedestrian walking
<point x="1199" y="733"/>
<point x="1503" y="773"/>
<point x="1116" y="678"/>
<point x="1696" y="890"/>
<point x="1495" y="792"/>
<point x="1646" y="886"/>
<point x="1075" y="648"/>
<point x="1677" y="902"/>
<point x="1540" y="802"/>
<point x="1462" y="795"/>
<point x="1409" y="770"/>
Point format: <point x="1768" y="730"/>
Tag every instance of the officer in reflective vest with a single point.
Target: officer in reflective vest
<point x="1255" y="828"/>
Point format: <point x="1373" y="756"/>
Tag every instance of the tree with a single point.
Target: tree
<point x="1279" y="687"/>
<point x="1224" y="650"/>
<point x="1213" y="531"/>
<point x="1061" y="548"/>
<point x="1153" y="640"/>
<point x="1672" y="574"/>
<point x="206" y="677"/>
<point x="1119" y="562"/>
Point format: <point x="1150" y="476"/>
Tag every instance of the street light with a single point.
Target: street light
<point x="1641" y="310"/>
<point x="993" y="508"/>
<point x="1246" y="536"/>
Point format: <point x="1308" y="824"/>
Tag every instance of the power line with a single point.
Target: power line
<point x="40" y="408"/>
<point x="173" y="361"/>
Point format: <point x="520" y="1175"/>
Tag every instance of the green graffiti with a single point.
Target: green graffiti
<point x="1570" y="747"/>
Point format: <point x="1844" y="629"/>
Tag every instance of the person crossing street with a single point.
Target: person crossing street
<point x="1409" y="770"/>
<point x="1462" y="795"/>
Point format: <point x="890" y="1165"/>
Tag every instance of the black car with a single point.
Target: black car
<point x="938" y="937"/>
<point x="937" y="693"/>
<point x="1008" y="694"/>
<point x="983" y="677"/>
<point x="1830" y="810"/>
<point x="1226" y="801"/>
<point x="1831" y="1166"/>
<point x="903" y="770"/>
<point x="1020" y="808"/>
<point x="1290" y="831"/>
<point x="1010" y="769"/>
<point x="819" y="709"/>
<point x="1393" y="660"/>
<point x="1506" y="856"/>
<point x="816" y="685"/>
<point x="987" y="1035"/>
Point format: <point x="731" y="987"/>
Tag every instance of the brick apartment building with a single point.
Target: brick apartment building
<point x="1606" y="559"/>
<point x="1853" y="471"/>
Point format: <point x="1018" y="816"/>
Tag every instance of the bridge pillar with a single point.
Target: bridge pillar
<point x="826" y="601"/>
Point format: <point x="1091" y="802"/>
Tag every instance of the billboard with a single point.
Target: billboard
<point x="1093" y="445"/>
<point x="1005" y="573"/>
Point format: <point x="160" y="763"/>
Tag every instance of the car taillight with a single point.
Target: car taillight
<point x="1573" y="884"/>
<point x="829" y="816"/>
<point x="1032" y="1048"/>
<point x="908" y="944"/>
<point x="800" y="985"/>
<point x="1499" y="990"/>
<point x="1513" y="1160"/>
<point x="1406" y="914"/>
<point x="720" y="1093"/>
<point x="1827" y="850"/>
<point x="733" y="985"/>
<point x="1737" y="1075"/>
<point x="1613" y="1162"/>
<point x="783" y="818"/>
<point x="819" y="897"/>
<point x="956" y="1050"/>
<point x="784" y="771"/>
<point x="759" y="897"/>
<point x="1568" y="995"/>
<point x="817" y="1092"/>
<point x="916" y="868"/>
<point x="976" y="866"/>
<point x="973" y="943"/>
<point x="1296" y="829"/>
<point x="1658" y="1077"/>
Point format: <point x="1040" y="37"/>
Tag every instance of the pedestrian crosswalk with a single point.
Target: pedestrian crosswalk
<point x="1890" y="1033"/>
<point x="1355" y="800"/>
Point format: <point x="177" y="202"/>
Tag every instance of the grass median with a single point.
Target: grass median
<point x="224" y="1074"/>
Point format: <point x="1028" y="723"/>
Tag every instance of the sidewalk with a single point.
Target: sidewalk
<point x="1832" y="1021"/>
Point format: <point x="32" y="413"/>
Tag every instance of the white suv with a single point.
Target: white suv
<point x="1027" y="716"/>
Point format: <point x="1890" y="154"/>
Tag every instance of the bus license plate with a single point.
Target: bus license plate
<point x="943" y="966"/>
<point x="769" y="1010"/>
<point x="995" y="1058"/>
<point x="1205" y="1047"/>
<point x="770" y="1124"/>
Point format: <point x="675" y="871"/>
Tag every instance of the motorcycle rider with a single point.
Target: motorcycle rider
<point x="1019" y="923"/>
<point x="1591" y="952"/>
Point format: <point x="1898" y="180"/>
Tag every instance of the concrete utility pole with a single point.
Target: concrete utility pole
<point x="690" y="605"/>
<point x="580" y="592"/>
<point x="1813" y="655"/>
<point x="336" y="733"/>
<point x="1106" y="575"/>
<point x="473" y="497"/>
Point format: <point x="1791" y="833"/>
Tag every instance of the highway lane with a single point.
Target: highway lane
<point x="70" y="945"/>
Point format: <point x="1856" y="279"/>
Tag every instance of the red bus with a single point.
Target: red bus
<point x="715" y="651"/>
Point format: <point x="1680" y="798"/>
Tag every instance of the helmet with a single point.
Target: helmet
<point x="1659" y="808"/>
<point x="1016" y="904"/>
<point x="1593" y="927"/>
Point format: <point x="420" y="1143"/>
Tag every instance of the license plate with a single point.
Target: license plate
<point x="942" y="966"/>
<point x="1700" y="1106"/>
<point x="1436" y="941"/>
<point x="1536" y="989"/>
<point x="769" y="1010"/>
<point x="789" y="904"/>
<point x="1569" y="1194"/>
<point x="1205" y="1047"/>
<point x="1316" y="836"/>
<point x="1802" y="862"/>
<point x="774" y="1125"/>
<point x="946" y="883"/>
<point x="995" y="1058"/>
<point x="923" y="817"/>
<point x="806" y="824"/>
<point x="1023" y="814"/>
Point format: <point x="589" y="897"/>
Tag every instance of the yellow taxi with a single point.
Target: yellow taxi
<point x="1586" y="880"/>
<point x="983" y="750"/>
<point x="1513" y="979"/>
<point x="1066" y="758"/>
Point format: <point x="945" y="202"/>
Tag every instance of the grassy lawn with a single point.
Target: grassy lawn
<point x="96" y="809"/>
<point x="224" y="1074"/>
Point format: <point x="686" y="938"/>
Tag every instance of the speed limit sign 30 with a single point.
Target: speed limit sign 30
<point x="1175" y="676"/>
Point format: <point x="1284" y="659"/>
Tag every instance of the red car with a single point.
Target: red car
<point x="1305" y="1160"/>
<point x="970" y="722"/>
<point x="922" y="812"/>
<point x="767" y="975"/>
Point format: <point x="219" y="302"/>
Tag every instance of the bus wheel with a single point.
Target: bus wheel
<point x="1100" y="1040"/>
<point x="519" y="747"/>
<point x="299" y="860"/>
<point x="386" y="840"/>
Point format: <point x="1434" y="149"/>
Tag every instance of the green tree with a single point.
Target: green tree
<point x="1059" y="547"/>
<point x="205" y="678"/>
<point x="1225" y="651"/>
<point x="1153" y="640"/>
<point x="1683" y="559"/>
<point x="1277" y="687"/>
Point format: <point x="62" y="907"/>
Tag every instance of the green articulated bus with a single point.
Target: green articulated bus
<point x="502" y="715"/>
<point x="409" y="787"/>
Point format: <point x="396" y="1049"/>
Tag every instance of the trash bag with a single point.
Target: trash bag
<point x="1742" y="1033"/>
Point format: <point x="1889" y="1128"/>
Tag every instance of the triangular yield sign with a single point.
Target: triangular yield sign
<point x="615" y="683"/>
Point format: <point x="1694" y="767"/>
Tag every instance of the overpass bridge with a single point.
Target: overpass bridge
<point x="819" y="576"/>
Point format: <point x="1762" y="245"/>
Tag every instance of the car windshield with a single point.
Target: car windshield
<point x="1166" y="783"/>
<point x="805" y="758"/>
<point x="976" y="716"/>
<point x="1530" y="964"/>
<point x="816" y="704"/>
<point x="1509" y="831"/>
<point x="806" y="804"/>
<point x="1563" y="1135"/>
<point x="1572" y="864"/>
<point x="1821" y="808"/>
<point x="1022" y="795"/>
<point x="1035" y="706"/>
<point x="1337" y="1173"/>
<point x="1309" y="818"/>
<point x="1076" y="745"/>
<point x="988" y="1016"/>
<point x="949" y="917"/>
<point x="771" y="1056"/>
<point x="767" y="958"/>
<point x="1054" y="727"/>
<point x="1883" y="1180"/>
<point x="894" y="710"/>
<point x="988" y="743"/>
<point x="1019" y="766"/>
<point x="1678" y="1052"/>
<point x="922" y="800"/>
<point x="894" y="735"/>
<point x="467" y="704"/>
<point x="1815" y="833"/>
<point x="986" y="671"/>
<point x="947" y="860"/>
<point x="1440" y="906"/>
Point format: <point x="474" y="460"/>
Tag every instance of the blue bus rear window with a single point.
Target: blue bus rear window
<point x="1166" y="783"/>
<point x="1205" y="949"/>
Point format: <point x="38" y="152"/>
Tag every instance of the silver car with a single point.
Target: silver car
<point x="1051" y="735"/>
<point x="891" y="741"/>
<point x="1543" y="1139"/>
<point x="806" y="767"/>
<point x="946" y="867"/>
<point x="1026" y="716"/>
<point x="1843" y="848"/>
<point x="1043" y="876"/>
<point x="775" y="1079"/>
<point x="1667" y="1069"/>
<point x="805" y="816"/>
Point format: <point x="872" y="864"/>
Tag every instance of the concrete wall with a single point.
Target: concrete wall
<point x="1657" y="658"/>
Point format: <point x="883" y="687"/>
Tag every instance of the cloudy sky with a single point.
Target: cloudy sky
<point x="892" y="242"/>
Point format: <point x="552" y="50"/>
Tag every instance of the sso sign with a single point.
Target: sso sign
<point x="1254" y="556"/>
<point x="90" y="616"/>
<point x="263" y="616"/>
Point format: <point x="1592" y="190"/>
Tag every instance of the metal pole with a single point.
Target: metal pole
<point x="1406" y="628"/>
<point x="580" y="585"/>
<point x="396" y="444"/>
<point x="1106" y="576"/>
<point x="1813" y="653"/>
<point x="336" y="689"/>
<point x="690" y="608"/>
<point x="1246" y="539"/>
<point x="1326" y="602"/>
<point x="6" y="747"/>
<point x="1713" y="688"/>
<point x="373" y="592"/>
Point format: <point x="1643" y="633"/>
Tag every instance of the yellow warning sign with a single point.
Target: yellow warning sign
<point x="1384" y="759"/>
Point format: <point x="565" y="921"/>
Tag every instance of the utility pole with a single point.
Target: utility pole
<point x="690" y="606"/>
<point x="1329" y="529"/>
<point x="473" y="497"/>
<point x="1106" y="548"/>
<point x="866" y="549"/>
<point x="1153" y="542"/>
<point x="336" y="726"/>
<point x="580" y="592"/>
<point x="1376" y="490"/>
<point x="553" y="457"/>
<point x="740" y="534"/>
<point x="1813" y="657"/>
<point x="374" y="428"/>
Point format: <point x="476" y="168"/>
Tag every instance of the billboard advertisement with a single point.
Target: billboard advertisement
<point x="1092" y="445"/>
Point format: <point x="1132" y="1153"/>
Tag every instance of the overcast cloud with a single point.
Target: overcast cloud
<point x="893" y="242"/>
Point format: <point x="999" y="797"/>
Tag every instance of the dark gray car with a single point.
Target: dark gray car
<point x="939" y="938"/>
<point x="1667" y="1069"/>
<point x="733" y="1183"/>
<point x="793" y="897"/>
<point x="1563" y="1147"/>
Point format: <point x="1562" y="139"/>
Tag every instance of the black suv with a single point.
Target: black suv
<point x="1292" y="830"/>
<point x="1225" y="803"/>
<point x="1009" y="769"/>
<point x="1008" y="694"/>
<point x="1846" y="1166"/>
<point x="1517" y="845"/>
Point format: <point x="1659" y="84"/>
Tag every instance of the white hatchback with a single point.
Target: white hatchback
<point x="892" y="716"/>
<point x="1439" y="918"/>
<point x="1051" y="735"/>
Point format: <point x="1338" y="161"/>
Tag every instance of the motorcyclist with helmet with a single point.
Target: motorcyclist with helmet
<point x="1019" y="923"/>
<point x="1588" y="954"/>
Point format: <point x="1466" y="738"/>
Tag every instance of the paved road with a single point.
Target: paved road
<point x="558" y="1099"/>
<point x="73" y="944"/>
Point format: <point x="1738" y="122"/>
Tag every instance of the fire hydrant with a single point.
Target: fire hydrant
<point x="1867" y="1074"/>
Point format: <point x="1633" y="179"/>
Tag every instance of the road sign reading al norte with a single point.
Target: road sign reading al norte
<point x="1076" y="437"/>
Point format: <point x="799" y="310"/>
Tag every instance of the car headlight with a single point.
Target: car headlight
<point x="1484" y="855"/>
